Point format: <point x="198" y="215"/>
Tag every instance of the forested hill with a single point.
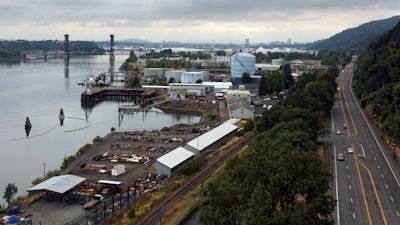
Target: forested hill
<point x="15" y="48"/>
<point x="377" y="81"/>
<point x="355" y="40"/>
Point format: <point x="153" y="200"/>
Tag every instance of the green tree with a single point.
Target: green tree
<point x="171" y="80"/>
<point x="246" y="78"/>
<point x="10" y="191"/>
<point x="275" y="81"/>
<point x="262" y="86"/>
<point x="134" y="82"/>
<point x="221" y="53"/>
<point x="287" y="76"/>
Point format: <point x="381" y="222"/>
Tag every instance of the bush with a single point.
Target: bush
<point x="192" y="166"/>
<point x="131" y="213"/>
<point x="97" y="139"/>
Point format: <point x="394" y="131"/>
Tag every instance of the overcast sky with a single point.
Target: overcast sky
<point x="188" y="20"/>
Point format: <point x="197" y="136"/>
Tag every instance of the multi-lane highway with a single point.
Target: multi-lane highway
<point x="366" y="183"/>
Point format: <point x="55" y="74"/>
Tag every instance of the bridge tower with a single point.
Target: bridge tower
<point x="66" y="47"/>
<point x="112" y="56"/>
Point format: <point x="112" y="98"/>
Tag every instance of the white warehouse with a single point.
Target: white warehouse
<point x="188" y="77"/>
<point x="169" y="163"/>
<point x="212" y="139"/>
<point x="243" y="94"/>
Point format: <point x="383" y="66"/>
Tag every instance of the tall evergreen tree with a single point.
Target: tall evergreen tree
<point x="287" y="75"/>
<point x="262" y="87"/>
<point x="9" y="192"/>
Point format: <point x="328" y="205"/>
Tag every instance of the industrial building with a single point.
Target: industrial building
<point x="239" y="108"/>
<point x="181" y="90"/>
<point x="57" y="185"/>
<point x="243" y="94"/>
<point x="189" y="77"/>
<point x="212" y="139"/>
<point x="218" y="86"/>
<point x="172" y="161"/>
<point x="154" y="72"/>
<point x="243" y="63"/>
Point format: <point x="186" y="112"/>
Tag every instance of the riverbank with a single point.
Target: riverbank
<point x="207" y="109"/>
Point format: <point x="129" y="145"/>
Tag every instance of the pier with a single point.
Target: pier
<point x="97" y="94"/>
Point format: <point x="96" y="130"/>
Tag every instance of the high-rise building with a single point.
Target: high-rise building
<point x="246" y="42"/>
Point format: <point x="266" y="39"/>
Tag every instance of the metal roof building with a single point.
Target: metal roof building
<point x="212" y="139"/>
<point x="240" y="108"/>
<point x="170" y="162"/>
<point x="58" y="184"/>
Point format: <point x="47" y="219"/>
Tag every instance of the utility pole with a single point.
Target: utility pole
<point x="44" y="171"/>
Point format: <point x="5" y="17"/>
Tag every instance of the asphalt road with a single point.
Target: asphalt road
<point x="367" y="182"/>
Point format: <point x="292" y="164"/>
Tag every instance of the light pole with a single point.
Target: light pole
<point x="44" y="171"/>
<point x="394" y="151"/>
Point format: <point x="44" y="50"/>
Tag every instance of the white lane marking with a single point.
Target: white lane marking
<point x="362" y="149"/>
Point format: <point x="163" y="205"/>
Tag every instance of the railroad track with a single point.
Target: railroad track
<point x="154" y="217"/>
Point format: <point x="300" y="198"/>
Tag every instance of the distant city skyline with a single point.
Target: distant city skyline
<point x="188" y="21"/>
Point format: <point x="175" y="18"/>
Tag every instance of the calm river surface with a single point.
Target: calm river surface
<point x="38" y="89"/>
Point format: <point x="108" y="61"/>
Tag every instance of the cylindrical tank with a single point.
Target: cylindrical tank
<point x="243" y="63"/>
<point x="277" y="62"/>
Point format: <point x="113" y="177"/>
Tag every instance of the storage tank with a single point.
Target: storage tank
<point x="190" y="77"/>
<point x="242" y="62"/>
<point x="176" y="74"/>
<point x="277" y="62"/>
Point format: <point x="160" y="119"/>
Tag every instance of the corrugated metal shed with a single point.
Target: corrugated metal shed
<point x="212" y="136"/>
<point x="175" y="157"/>
<point x="58" y="184"/>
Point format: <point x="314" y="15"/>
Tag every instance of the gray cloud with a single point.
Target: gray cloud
<point x="147" y="16"/>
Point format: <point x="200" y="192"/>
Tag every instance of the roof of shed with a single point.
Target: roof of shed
<point x="175" y="157"/>
<point x="212" y="136"/>
<point x="58" y="184"/>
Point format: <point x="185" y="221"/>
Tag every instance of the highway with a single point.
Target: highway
<point x="366" y="183"/>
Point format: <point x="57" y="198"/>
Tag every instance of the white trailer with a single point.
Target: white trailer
<point x="118" y="170"/>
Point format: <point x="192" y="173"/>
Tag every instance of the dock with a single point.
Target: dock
<point x="97" y="94"/>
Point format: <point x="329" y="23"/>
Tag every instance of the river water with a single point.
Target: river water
<point x="38" y="89"/>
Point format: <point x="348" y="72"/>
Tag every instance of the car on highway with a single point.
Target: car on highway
<point x="338" y="132"/>
<point x="340" y="157"/>
<point x="350" y="150"/>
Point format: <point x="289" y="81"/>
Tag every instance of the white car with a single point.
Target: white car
<point x="338" y="132"/>
<point x="350" y="150"/>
